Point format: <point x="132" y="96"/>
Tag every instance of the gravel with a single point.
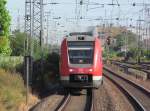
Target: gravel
<point x="50" y="101"/>
<point x="102" y="100"/>
<point x="109" y="98"/>
<point x="119" y="100"/>
<point x="49" y="104"/>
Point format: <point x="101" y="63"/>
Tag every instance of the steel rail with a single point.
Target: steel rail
<point x="143" y="89"/>
<point x="126" y="64"/>
<point x="137" y="106"/>
<point x="89" y="106"/>
<point x="64" y="103"/>
<point x="133" y="99"/>
<point x="90" y="100"/>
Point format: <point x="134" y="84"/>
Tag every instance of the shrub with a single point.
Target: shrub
<point x="10" y="63"/>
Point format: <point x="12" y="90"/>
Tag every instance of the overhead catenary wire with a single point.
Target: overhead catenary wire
<point x="91" y="5"/>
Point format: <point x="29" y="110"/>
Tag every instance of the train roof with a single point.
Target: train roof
<point x="81" y="33"/>
<point x="81" y="38"/>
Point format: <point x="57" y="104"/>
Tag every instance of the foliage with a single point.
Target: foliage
<point x="4" y="29"/>
<point x="133" y="52"/>
<point x="12" y="93"/>
<point x="120" y="40"/>
<point x="17" y="43"/>
<point x="50" y="71"/>
<point x="145" y="54"/>
<point x="10" y="63"/>
<point x="4" y="46"/>
<point x="4" y="18"/>
<point x="111" y="54"/>
<point x="120" y="54"/>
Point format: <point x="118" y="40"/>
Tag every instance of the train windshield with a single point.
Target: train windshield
<point x="81" y="53"/>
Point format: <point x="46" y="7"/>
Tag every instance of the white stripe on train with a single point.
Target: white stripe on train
<point x="94" y="78"/>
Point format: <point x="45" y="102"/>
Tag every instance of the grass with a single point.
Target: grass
<point x="12" y="91"/>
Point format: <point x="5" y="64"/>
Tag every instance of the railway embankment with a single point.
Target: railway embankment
<point x="12" y="92"/>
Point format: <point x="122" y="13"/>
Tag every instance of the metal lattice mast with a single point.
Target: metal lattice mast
<point x="37" y="22"/>
<point x="37" y="29"/>
<point x="27" y="45"/>
<point x="28" y="24"/>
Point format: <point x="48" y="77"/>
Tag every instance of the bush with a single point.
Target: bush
<point x="10" y="63"/>
<point x="4" y="46"/>
<point x="50" y="71"/>
<point x="121" y="54"/>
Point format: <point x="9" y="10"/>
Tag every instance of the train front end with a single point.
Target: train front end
<point x="81" y="62"/>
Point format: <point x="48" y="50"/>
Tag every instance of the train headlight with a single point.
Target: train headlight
<point x="90" y="70"/>
<point x="70" y="70"/>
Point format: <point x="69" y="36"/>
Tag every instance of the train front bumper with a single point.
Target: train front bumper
<point x="95" y="83"/>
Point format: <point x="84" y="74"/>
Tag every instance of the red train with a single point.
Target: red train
<point x="81" y="62"/>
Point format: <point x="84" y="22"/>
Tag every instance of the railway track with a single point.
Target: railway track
<point x="72" y="102"/>
<point x="142" y="66"/>
<point x="145" y="68"/>
<point x="75" y="101"/>
<point x="137" y="95"/>
<point x="64" y="102"/>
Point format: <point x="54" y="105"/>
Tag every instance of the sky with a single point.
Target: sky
<point x="66" y="10"/>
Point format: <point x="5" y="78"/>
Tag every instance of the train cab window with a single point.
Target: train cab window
<point x="81" y="53"/>
<point x="81" y="56"/>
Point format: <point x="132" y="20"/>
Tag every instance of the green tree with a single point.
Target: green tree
<point x="17" y="43"/>
<point x="5" y="20"/>
<point x="4" y="47"/>
<point x="120" y="41"/>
